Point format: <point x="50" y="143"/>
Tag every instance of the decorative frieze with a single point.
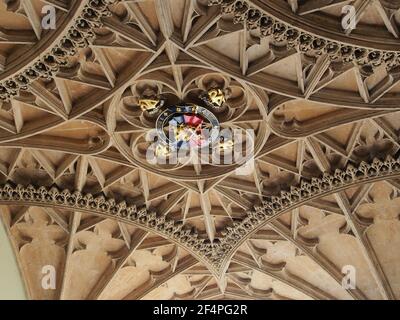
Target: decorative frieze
<point x="52" y="196"/>
<point x="215" y="254"/>
<point x="78" y="36"/>
<point x="283" y="33"/>
<point x="308" y="190"/>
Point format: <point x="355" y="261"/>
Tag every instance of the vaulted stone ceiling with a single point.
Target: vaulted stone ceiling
<point x="77" y="192"/>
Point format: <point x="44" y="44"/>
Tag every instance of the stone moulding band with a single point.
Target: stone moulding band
<point x="272" y="207"/>
<point x="77" y="36"/>
<point x="215" y="255"/>
<point x="42" y="196"/>
<point x="283" y="33"/>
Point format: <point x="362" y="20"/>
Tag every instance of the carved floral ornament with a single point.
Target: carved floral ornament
<point x="215" y="255"/>
<point x="204" y="210"/>
<point x="78" y="36"/>
<point x="283" y="33"/>
<point x="81" y="34"/>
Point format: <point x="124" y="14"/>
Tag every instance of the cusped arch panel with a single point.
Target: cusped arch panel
<point x="216" y="256"/>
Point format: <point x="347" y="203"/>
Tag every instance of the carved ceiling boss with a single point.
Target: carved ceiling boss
<point x="307" y="108"/>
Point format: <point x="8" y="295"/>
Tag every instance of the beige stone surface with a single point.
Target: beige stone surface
<point x="322" y="195"/>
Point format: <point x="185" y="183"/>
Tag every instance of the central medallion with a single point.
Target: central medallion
<point x="194" y="134"/>
<point x="186" y="126"/>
